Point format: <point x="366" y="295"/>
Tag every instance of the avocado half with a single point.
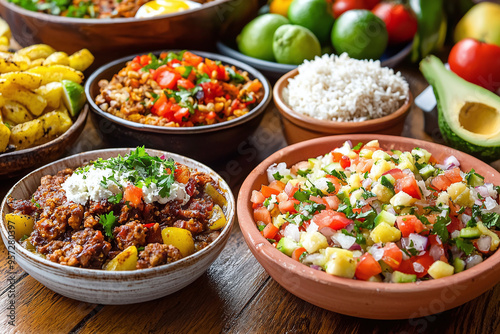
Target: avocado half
<point x="469" y="115"/>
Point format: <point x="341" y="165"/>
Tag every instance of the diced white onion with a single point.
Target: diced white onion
<point x="312" y="227"/>
<point x="419" y="241"/>
<point x="484" y="243"/>
<point x="451" y="162"/>
<point x="292" y="232"/>
<point x="490" y="203"/>
<point x="472" y="261"/>
<point x="345" y="241"/>
<point x="377" y="252"/>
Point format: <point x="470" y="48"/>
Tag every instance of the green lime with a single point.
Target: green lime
<point x="359" y="33"/>
<point x="74" y="96"/>
<point x="256" y="38"/>
<point x="315" y="15"/>
<point x="293" y="44"/>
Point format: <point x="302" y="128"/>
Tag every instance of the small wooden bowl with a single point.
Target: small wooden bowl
<point x="373" y="300"/>
<point x="17" y="162"/>
<point x="113" y="287"/>
<point x="110" y="39"/>
<point x="298" y="127"/>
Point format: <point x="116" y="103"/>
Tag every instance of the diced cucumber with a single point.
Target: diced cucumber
<point x="399" y="277"/>
<point x="313" y="162"/>
<point x="427" y="171"/>
<point x="384" y="194"/>
<point x="423" y="155"/>
<point x="342" y="195"/>
<point x="475" y="180"/>
<point x="459" y="265"/>
<point x="365" y="153"/>
<point x="470" y="233"/>
<point x="380" y="155"/>
<point x="331" y="167"/>
<point x="287" y="246"/>
<point x="388" y="181"/>
<point x="385" y="217"/>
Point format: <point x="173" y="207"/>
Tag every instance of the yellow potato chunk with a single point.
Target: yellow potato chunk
<point x="34" y="102"/>
<point x="440" y="269"/>
<point x="81" y="60"/>
<point x="56" y="73"/>
<point x="25" y="79"/>
<point x="10" y="65"/>
<point x="55" y="123"/>
<point x="384" y="232"/>
<point x="217" y="219"/>
<point x="15" y="113"/>
<point x="36" y="51"/>
<point x="57" y="58"/>
<point x="4" y="137"/>
<point x="460" y="194"/>
<point x="26" y="134"/>
<point x="217" y="197"/>
<point x="52" y="92"/>
<point x="340" y="262"/>
<point x="180" y="238"/>
<point x="126" y="260"/>
<point x="22" y="224"/>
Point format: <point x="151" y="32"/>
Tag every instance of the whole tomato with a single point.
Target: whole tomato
<point x="477" y="62"/>
<point x="341" y="6"/>
<point x="400" y="21"/>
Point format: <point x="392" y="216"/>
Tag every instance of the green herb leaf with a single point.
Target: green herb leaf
<point x="108" y="223"/>
<point x="357" y="147"/>
<point x="277" y="176"/>
<point x="115" y="199"/>
<point x="465" y="245"/>
<point x="234" y="75"/>
<point x="440" y="229"/>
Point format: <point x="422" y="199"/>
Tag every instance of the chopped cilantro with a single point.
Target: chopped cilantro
<point x="303" y="172"/>
<point x="465" y="245"/>
<point x="331" y="187"/>
<point x="236" y="77"/>
<point x="140" y="249"/>
<point x="277" y="176"/>
<point x="440" y="228"/>
<point x="187" y="71"/>
<point x="461" y="210"/>
<point x="115" y="199"/>
<point x="357" y="147"/>
<point x="339" y="175"/>
<point x="108" y="223"/>
<point x="491" y="219"/>
<point x="301" y="195"/>
<point x="24" y="237"/>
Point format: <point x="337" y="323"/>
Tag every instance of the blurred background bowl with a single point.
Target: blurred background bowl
<point x="392" y="56"/>
<point x="298" y="127"/>
<point x="14" y="163"/>
<point x="373" y="300"/>
<point x="206" y="143"/>
<point x="112" y="38"/>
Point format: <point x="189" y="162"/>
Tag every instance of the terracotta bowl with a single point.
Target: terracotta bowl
<point x="298" y="127"/>
<point x="364" y="299"/>
<point x="108" y="287"/>
<point x="205" y="143"/>
<point x="14" y="163"/>
<point x="113" y="38"/>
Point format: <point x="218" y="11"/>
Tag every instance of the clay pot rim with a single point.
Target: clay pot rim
<point x="107" y="21"/>
<point x="334" y="127"/>
<point x="92" y="274"/>
<point x="254" y="112"/>
<point x="257" y="243"/>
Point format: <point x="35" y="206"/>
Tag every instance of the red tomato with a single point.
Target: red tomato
<point x="262" y="214"/>
<point x="167" y="79"/>
<point x="456" y="224"/>
<point x="211" y="91"/>
<point x="181" y="114"/>
<point x="400" y="22"/>
<point x="425" y="261"/>
<point x="345" y="162"/>
<point x="333" y="219"/>
<point x="406" y="267"/>
<point x="287" y="206"/>
<point x="341" y="6"/>
<point x="290" y="189"/>
<point x="392" y="255"/>
<point x="476" y="62"/>
<point x="332" y="202"/>
<point x="440" y="182"/>
<point x="270" y="231"/>
<point x="408" y="184"/>
<point x="297" y="253"/>
<point x="257" y="198"/>
<point x="453" y="175"/>
<point x="133" y="195"/>
<point x="268" y="191"/>
<point x="409" y="224"/>
<point x="336" y="156"/>
<point x="192" y="58"/>
<point x="396" y="173"/>
<point x="367" y="267"/>
<point x="336" y="183"/>
<point x="278" y="185"/>
<point x="184" y="83"/>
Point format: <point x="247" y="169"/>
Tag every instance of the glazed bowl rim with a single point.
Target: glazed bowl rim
<point x="254" y="112"/>
<point x="134" y="274"/>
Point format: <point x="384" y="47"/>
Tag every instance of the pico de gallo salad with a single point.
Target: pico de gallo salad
<point x="379" y="215"/>
<point x="179" y="90"/>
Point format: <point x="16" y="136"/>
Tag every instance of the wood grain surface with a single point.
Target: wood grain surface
<point x="235" y="295"/>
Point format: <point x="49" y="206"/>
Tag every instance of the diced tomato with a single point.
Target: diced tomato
<point x="145" y="60"/>
<point x="270" y="231"/>
<point x="262" y="214"/>
<point x="287" y="206"/>
<point x="332" y="202"/>
<point x="167" y="79"/>
<point x="211" y="91"/>
<point x="135" y="66"/>
<point x="367" y="267"/>
<point x="282" y="197"/>
<point x="297" y="253"/>
<point x="336" y="183"/>
<point x="409" y="224"/>
<point x="441" y="182"/>
<point x="181" y="115"/>
<point x="257" y="197"/>
<point x="192" y="58"/>
<point x="396" y="173"/>
<point x="345" y="162"/>
<point x="158" y="71"/>
<point x="278" y="185"/>
<point x="406" y="267"/>
<point x="184" y="83"/>
<point x="454" y="225"/>
<point x="333" y="219"/>
<point x="408" y="184"/>
<point x="317" y="200"/>
<point x="436" y="249"/>
<point x="336" y="156"/>
<point x="425" y="261"/>
<point x="453" y="175"/>
<point x="290" y="189"/>
<point x="392" y="255"/>
<point x="132" y="195"/>
<point x="268" y="191"/>
<point x="364" y="165"/>
<point x="302" y="165"/>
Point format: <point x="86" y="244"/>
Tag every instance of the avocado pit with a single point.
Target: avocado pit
<point x="480" y="119"/>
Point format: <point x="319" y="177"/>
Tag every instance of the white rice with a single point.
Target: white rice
<point x="342" y="89"/>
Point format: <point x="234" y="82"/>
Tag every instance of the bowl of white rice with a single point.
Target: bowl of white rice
<point x="337" y="95"/>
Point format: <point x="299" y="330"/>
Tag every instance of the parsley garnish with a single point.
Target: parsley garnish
<point x="339" y="175"/>
<point x="277" y="176"/>
<point x="303" y="173"/>
<point x="115" y="199"/>
<point x="234" y="76"/>
<point x="465" y="245"/>
<point x="440" y="228"/>
<point x="108" y="223"/>
<point x="491" y="219"/>
<point x="24" y="237"/>
<point x="331" y="187"/>
<point x="35" y="203"/>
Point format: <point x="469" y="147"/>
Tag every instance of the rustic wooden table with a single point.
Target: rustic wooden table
<point x="235" y="295"/>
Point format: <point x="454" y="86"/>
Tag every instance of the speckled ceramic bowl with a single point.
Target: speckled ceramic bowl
<point x="364" y="299"/>
<point x="108" y="287"/>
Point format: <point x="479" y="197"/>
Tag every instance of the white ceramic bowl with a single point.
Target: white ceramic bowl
<point x="108" y="287"/>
